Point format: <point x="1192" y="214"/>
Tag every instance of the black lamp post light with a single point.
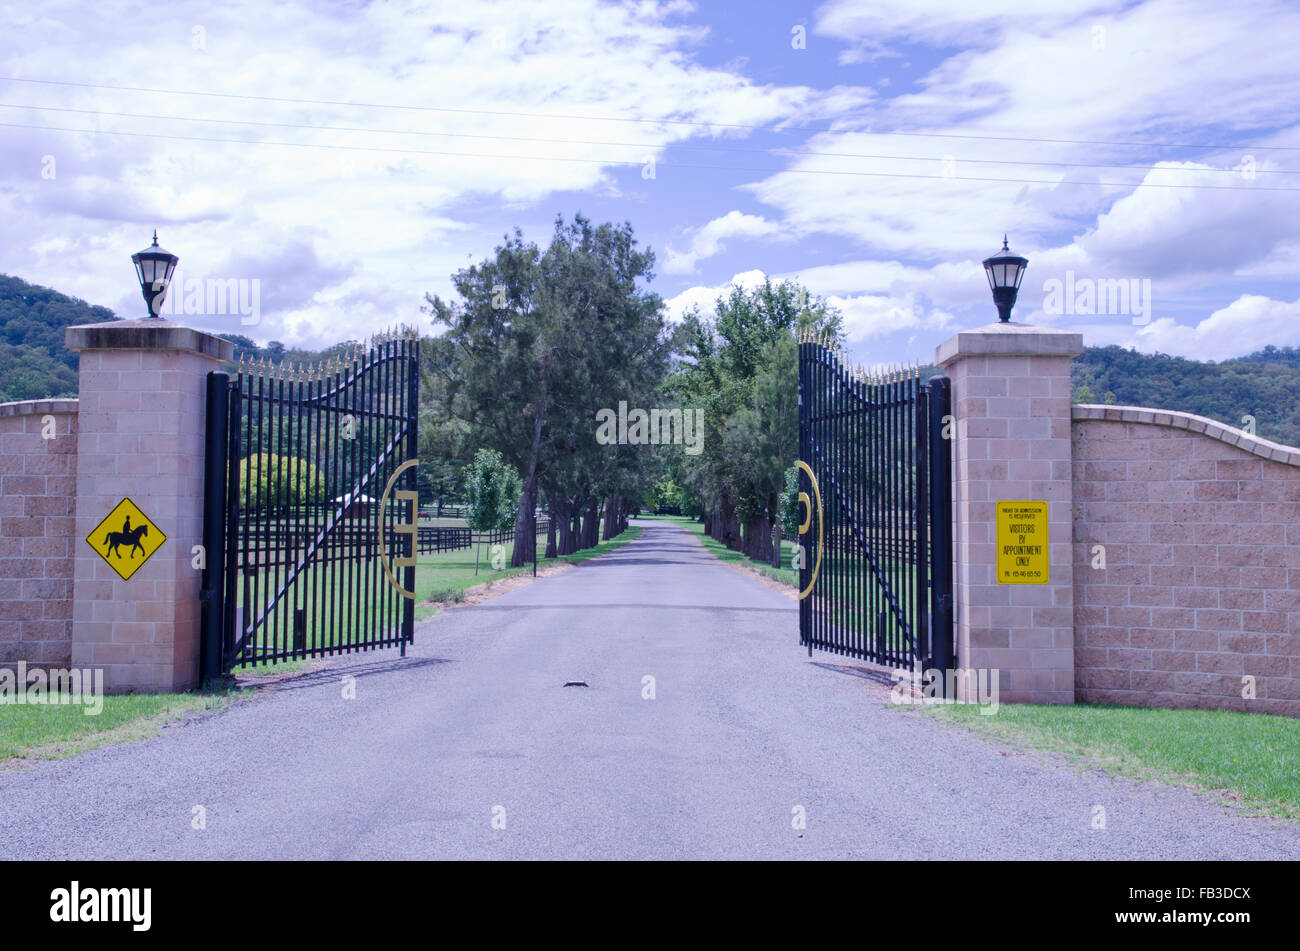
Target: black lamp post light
<point x="1005" y="270"/>
<point x="154" y="267"/>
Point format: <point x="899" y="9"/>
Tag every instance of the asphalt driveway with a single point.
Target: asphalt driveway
<point x="471" y="747"/>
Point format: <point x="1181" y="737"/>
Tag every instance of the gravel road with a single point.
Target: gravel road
<point x="474" y="730"/>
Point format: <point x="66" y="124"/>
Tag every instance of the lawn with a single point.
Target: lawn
<point x="41" y="731"/>
<point x="1250" y="757"/>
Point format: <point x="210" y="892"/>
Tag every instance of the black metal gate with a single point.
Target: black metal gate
<point x="876" y="536"/>
<point x="310" y="506"/>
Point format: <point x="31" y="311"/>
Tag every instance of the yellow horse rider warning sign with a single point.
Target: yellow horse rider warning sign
<point x="126" y="538"/>
<point x="1022" y="543"/>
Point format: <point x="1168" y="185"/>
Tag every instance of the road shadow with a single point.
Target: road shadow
<point x="882" y="676"/>
<point x="330" y="673"/>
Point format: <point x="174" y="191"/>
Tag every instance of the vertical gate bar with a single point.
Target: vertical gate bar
<point x="913" y="551"/>
<point x="819" y="402"/>
<point x="317" y="485"/>
<point x="258" y="636"/>
<point x="902" y="649"/>
<point x="250" y="579"/>
<point x="334" y="463"/>
<point x="214" y="525"/>
<point x="412" y="364"/>
<point x="848" y="542"/>
<point x="350" y="501"/>
<point x="864" y="587"/>
<point x="832" y="480"/>
<point x="384" y="592"/>
<point x="855" y="548"/>
<point x="804" y="569"/>
<point x="375" y="600"/>
<point x="862" y="429"/>
<point x="379" y="598"/>
<point x="359" y="537"/>
<point x="813" y="409"/>
<point x="823" y="436"/>
<point x="877" y="534"/>
<point x="922" y="605"/>
<point x="282" y="620"/>
<point x="892" y="570"/>
<point x="844" y="531"/>
<point x="905" y="543"/>
<point x="292" y="595"/>
<point x="365" y="601"/>
<point x="941" y="526"/>
<point x="878" y="515"/>
<point x="833" y="470"/>
<point x="882" y="477"/>
<point x="233" y="515"/>
<point x="900" y="506"/>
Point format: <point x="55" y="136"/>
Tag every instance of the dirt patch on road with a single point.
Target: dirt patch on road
<point x="780" y="587"/>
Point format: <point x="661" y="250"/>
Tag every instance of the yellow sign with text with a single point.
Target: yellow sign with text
<point x="126" y="539"/>
<point x="1022" y="543"/>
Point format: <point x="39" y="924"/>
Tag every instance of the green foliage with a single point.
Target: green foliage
<point x="536" y="342"/>
<point x="281" y="480"/>
<point x="34" y="363"/>
<point x="665" y="494"/>
<point x="741" y="368"/>
<point x="789" y="504"/>
<point x="491" y="491"/>
<point x="1263" y="385"/>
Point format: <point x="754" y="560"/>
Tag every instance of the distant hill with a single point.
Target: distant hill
<point x="1265" y="385"/>
<point x="34" y="363"/>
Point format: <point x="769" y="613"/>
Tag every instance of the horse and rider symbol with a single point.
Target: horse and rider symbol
<point x="126" y="538"/>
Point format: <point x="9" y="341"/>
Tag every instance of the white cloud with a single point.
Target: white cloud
<point x="1249" y="323"/>
<point x="389" y="216"/>
<point x="708" y="240"/>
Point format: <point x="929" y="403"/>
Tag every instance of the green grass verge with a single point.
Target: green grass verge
<point x="40" y="731"/>
<point x="1249" y="757"/>
<point x="785" y="574"/>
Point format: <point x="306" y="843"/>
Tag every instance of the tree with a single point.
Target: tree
<point x="492" y="491"/>
<point x="277" y="481"/>
<point x="536" y="342"/>
<point x="740" y="367"/>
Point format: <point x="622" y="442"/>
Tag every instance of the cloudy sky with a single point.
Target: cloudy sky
<point x="350" y="156"/>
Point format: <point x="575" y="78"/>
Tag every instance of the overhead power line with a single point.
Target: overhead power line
<point x="638" y="119"/>
<point x="634" y="164"/>
<point x="778" y="151"/>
